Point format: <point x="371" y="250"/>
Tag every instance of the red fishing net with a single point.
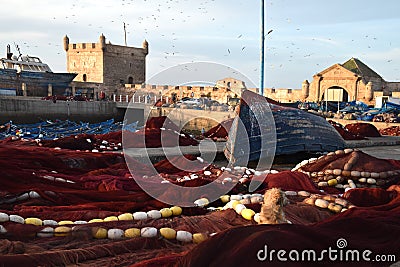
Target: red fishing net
<point x="60" y="184"/>
<point x="158" y="132"/>
<point x="345" y="133"/>
<point x="219" y="131"/>
<point x="393" y="131"/>
<point x="363" y="129"/>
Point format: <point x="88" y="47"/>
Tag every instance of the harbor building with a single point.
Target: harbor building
<point x="352" y="80"/>
<point x="103" y="67"/>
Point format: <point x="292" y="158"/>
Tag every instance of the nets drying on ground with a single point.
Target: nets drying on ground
<point x="219" y="131"/>
<point x="393" y="131"/>
<point x="158" y="132"/>
<point x="363" y="129"/>
<point x="350" y="168"/>
<point x="345" y="133"/>
<point x="67" y="185"/>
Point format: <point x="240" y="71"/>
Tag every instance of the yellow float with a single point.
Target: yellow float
<point x="248" y="214"/>
<point x="176" y="211"/>
<point x="125" y="217"/>
<point x="62" y="231"/>
<point x="132" y="232"/>
<point x="111" y="219"/>
<point x="199" y="237"/>
<point x="34" y="221"/>
<point x="166" y="212"/>
<point x="99" y="232"/>
<point x="168" y="233"/>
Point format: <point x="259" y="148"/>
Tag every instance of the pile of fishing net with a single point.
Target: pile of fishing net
<point x="65" y="207"/>
<point x="350" y="168"/>
<point x="363" y="129"/>
<point x="393" y="131"/>
<point x="219" y="131"/>
<point x="158" y="132"/>
<point x="345" y="133"/>
<point x="386" y="117"/>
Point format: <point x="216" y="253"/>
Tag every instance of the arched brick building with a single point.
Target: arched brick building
<point x="352" y="80"/>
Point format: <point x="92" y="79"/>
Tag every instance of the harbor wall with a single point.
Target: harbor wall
<point x="30" y="110"/>
<point x="34" y="109"/>
<point x="192" y="119"/>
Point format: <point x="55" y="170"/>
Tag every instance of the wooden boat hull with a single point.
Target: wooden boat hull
<point x="36" y="82"/>
<point x="263" y="130"/>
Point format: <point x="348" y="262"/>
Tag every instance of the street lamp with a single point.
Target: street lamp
<point x="262" y="48"/>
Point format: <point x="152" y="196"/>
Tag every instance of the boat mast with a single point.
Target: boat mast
<point x="9" y="54"/>
<point x="125" y="33"/>
<point x="19" y="51"/>
<point x="262" y="48"/>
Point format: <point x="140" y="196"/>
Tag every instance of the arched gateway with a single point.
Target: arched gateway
<point x="335" y="93"/>
<point x="352" y="80"/>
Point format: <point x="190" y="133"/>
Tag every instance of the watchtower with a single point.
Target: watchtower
<point x="105" y="63"/>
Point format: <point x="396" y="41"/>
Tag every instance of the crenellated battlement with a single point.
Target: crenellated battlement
<point x="85" y="46"/>
<point x="106" y="63"/>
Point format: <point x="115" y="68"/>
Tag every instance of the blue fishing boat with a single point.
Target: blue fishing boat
<point x="49" y="130"/>
<point x="263" y="130"/>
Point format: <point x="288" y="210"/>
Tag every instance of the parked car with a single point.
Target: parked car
<point x="190" y="101"/>
<point x="308" y="106"/>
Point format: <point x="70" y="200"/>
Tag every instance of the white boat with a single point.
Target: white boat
<point x="19" y="73"/>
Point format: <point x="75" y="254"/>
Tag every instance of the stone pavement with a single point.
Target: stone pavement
<point x="374" y="141"/>
<point x="386" y="147"/>
<point x="383" y="152"/>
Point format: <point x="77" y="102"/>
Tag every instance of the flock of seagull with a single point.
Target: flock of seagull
<point x="180" y="13"/>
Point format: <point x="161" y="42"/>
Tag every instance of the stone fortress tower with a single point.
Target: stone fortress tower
<point x="103" y="66"/>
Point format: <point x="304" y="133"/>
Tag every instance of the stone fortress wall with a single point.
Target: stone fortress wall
<point x="121" y="70"/>
<point x="352" y="80"/>
<point x="222" y="91"/>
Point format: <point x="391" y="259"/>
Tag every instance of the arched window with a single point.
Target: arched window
<point x="84" y="77"/>
<point x="130" y="80"/>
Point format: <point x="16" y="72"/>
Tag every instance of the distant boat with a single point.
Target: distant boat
<point x="31" y="71"/>
<point x="264" y="130"/>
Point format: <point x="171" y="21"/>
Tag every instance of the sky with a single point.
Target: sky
<point x="307" y="36"/>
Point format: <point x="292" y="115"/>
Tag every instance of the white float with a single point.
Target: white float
<point x="148" y="232"/>
<point x="184" y="236"/>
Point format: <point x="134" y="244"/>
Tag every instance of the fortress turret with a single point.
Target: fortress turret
<point x="369" y="91"/>
<point x="66" y="43"/>
<point x="305" y="87"/>
<point x="145" y="46"/>
<point x="102" y="41"/>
